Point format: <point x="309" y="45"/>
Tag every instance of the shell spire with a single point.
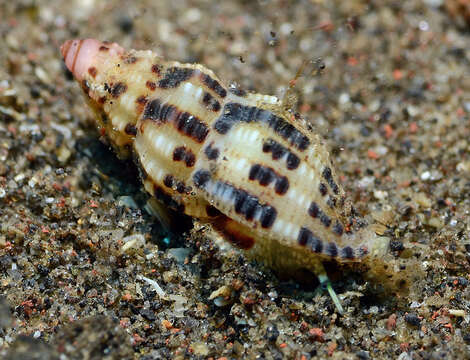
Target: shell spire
<point x="92" y="62"/>
<point x="82" y="55"/>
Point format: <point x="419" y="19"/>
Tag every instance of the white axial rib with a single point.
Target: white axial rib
<point x="192" y="92"/>
<point x="162" y="144"/>
<point x="220" y="191"/>
<point x="286" y="229"/>
<point x="253" y="136"/>
<point x="187" y="88"/>
<point x="301" y="201"/>
<point x="214" y="189"/>
<point x="294" y="196"/>
<point x="278" y="226"/>
<point x="198" y="93"/>
<point x="154" y="169"/>
<point x="303" y="169"/>
<point x="118" y="123"/>
<point x="240" y="166"/>
<point x="170" y="147"/>
<point x="158" y="142"/>
<point x="238" y="135"/>
<point x="289" y="230"/>
<point x="128" y="102"/>
<point x="227" y="194"/>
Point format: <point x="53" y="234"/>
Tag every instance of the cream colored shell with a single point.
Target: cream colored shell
<point x="235" y="160"/>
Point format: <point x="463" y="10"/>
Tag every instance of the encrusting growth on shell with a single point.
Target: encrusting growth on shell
<point x="235" y="160"/>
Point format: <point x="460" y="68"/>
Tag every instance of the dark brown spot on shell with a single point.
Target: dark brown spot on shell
<point x="212" y="153"/>
<point x="278" y="151"/>
<point x="328" y="176"/>
<point x="292" y="161"/>
<point x="214" y="85"/>
<point x="265" y="175"/>
<point x="92" y="71"/>
<point x="325" y="220"/>
<point x="151" y="85"/>
<point x="210" y="102"/>
<point x="237" y="91"/>
<point x="118" y="89"/>
<point x="260" y="173"/>
<point x="174" y="76"/>
<point x="201" y="178"/>
<point x="316" y="245"/>
<point x="141" y="101"/>
<point x="178" y="153"/>
<point x="347" y="252"/>
<point x="313" y="210"/>
<point x="130" y="59"/>
<point x="191" y="126"/>
<point x="103" y="48"/>
<point x="190" y="159"/>
<point x="282" y="185"/>
<point x="152" y="110"/>
<point x="183" y="121"/>
<point x="338" y="228"/>
<point x="181" y="153"/>
<point x="235" y="113"/>
<point x="156" y="69"/>
<point x="130" y="129"/>
<point x="181" y="188"/>
<point x="308" y="239"/>
<point x="331" y="249"/>
<point x="244" y="203"/>
<point x="168" y="180"/>
<point x="268" y="216"/>
<point x="302" y="239"/>
<point x="323" y="189"/>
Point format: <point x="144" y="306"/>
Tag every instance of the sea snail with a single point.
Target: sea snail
<point x="236" y="160"/>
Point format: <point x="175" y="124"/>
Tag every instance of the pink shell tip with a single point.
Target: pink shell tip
<point x="80" y="55"/>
